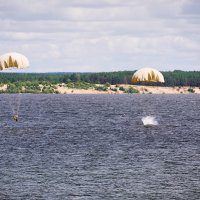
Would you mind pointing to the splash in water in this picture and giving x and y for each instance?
(149, 121)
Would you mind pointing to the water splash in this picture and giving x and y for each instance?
(149, 121)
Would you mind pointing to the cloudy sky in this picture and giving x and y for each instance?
(102, 35)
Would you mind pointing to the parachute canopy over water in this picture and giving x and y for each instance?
(147, 75)
(13, 60)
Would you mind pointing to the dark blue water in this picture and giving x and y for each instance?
(96, 147)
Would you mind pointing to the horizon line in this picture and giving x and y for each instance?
(47, 72)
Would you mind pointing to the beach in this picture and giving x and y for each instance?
(115, 89)
(142, 90)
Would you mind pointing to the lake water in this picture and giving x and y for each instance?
(96, 147)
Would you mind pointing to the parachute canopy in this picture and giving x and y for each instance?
(147, 75)
(13, 60)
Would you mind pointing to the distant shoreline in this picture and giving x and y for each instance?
(109, 89)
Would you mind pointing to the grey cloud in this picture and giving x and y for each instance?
(90, 10)
(192, 7)
(71, 10)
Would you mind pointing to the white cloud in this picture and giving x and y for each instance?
(101, 35)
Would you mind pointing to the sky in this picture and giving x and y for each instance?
(102, 35)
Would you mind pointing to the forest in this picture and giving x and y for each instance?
(172, 78)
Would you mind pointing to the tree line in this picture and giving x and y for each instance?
(172, 78)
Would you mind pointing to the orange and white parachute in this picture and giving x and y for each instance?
(13, 60)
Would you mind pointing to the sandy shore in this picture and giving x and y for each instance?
(113, 89)
(141, 89)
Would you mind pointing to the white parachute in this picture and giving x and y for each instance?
(13, 60)
(147, 75)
